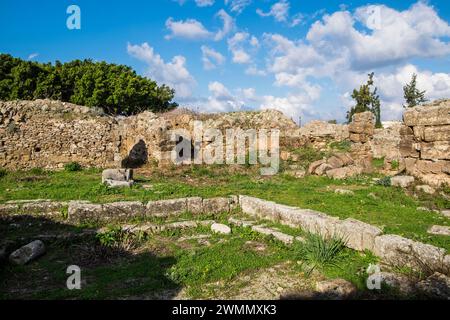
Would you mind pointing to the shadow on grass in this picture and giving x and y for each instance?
(111, 270)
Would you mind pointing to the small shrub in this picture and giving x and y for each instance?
(116, 237)
(344, 146)
(320, 252)
(38, 171)
(308, 155)
(385, 182)
(378, 163)
(3, 172)
(102, 189)
(73, 167)
(395, 165)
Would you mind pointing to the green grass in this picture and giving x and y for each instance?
(162, 266)
(393, 210)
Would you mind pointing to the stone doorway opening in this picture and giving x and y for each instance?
(137, 157)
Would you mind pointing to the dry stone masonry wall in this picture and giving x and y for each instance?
(425, 142)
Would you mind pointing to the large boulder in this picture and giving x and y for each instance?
(27, 253)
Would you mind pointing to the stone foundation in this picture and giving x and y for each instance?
(392, 249)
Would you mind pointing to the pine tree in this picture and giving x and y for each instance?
(366, 100)
(413, 96)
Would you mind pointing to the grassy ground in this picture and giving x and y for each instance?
(171, 264)
(390, 208)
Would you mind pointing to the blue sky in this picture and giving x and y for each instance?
(301, 57)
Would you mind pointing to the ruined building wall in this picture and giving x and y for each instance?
(425, 142)
(49, 134)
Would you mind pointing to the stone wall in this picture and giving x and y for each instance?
(49, 134)
(425, 142)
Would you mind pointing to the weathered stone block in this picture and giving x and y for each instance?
(123, 210)
(27, 253)
(399, 251)
(6, 209)
(117, 175)
(258, 208)
(118, 184)
(220, 228)
(408, 147)
(313, 166)
(358, 235)
(165, 208)
(402, 181)
(345, 158)
(428, 115)
(335, 162)
(216, 205)
(345, 172)
(439, 150)
(195, 205)
(84, 211)
(323, 168)
(432, 133)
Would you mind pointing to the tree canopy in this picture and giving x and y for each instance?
(366, 99)
(117, 89)
(413, 96)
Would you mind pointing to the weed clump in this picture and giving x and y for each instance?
(73, 167)
(320, 252)
(385, 182)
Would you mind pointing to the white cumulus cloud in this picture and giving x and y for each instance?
(211, 58)
(173, 73)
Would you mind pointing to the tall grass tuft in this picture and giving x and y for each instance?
(3, 172)
(320, 252)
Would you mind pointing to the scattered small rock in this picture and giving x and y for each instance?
(220, 228)
(445, 213)
(344, 192)
(439, 230)
(27, 253)
(426, 188)
(337, 289)
(373, 196)
(423, 209)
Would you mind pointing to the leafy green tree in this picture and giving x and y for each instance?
(115, 88)
(413, 96)
(366, 99)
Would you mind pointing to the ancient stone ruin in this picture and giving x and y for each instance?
(49, 134)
